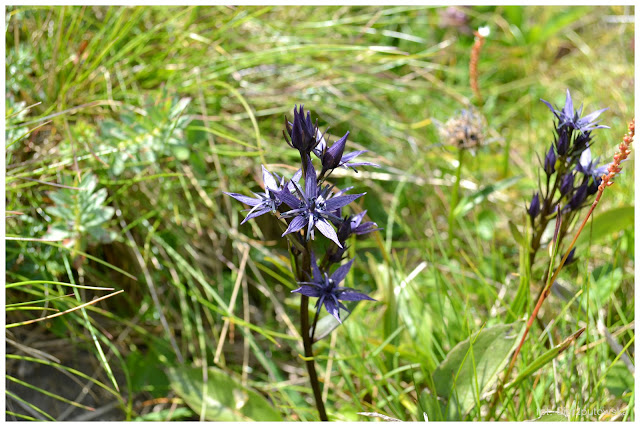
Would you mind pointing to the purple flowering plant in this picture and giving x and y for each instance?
(570, 177)
(306, 204)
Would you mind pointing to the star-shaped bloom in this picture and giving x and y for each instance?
(263, 202)
(334, 157)
(571, 118)
(354, 222)
(351, 225)
(326, 289)
(313, 208)
(590, 167)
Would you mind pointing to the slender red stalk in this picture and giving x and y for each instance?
(473, 64)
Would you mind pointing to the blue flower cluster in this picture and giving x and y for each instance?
(314, 205)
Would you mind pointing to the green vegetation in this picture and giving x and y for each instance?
(133, 293)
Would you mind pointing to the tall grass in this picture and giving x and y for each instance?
(167, 107)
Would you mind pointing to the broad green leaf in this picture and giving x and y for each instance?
(225, 398)
(606, 224)
(472, 367)
(552, 416)
(619, 380)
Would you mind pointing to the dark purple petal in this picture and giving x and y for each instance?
(296, 224)
(333, 155)
(347, 294)
(344, 307)
(534, 207)
(341, 272)
(268, 179)
(310, 224)
(568, 106)
(341, 192)
(365, 228)
(356, 219)
(598, 172)
(296, 178)
(244, 199)
(327, 230)
(255, 214)
(548, 104)
(332, 308)
(352, 155)
(335, 203)
(289, 199)
(353, 165)
(589, 118)
(310, 291)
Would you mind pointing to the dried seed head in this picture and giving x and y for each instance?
(465, 130)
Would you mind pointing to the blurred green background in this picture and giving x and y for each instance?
(124, 125)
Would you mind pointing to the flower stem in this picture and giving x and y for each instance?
(454, 195)
(306, 337)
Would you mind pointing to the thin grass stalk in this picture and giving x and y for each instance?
(455, 194)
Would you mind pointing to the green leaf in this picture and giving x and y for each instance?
(552, 416)
(472, 367)
(619, 380)
(225, 398)
(606, 224)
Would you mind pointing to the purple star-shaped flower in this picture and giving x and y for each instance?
(313, 208)
(263, 202)
(326, 289)
(358, 228)
(569, 117)
(590, 167)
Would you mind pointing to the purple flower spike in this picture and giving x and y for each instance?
(326, 289)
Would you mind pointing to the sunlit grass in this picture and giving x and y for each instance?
(169, 107)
